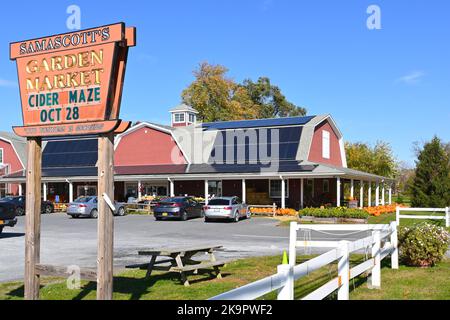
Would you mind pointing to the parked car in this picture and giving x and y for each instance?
(7, 215)
(178, 207)
(88, 207)
(230, 208)
(20, 201)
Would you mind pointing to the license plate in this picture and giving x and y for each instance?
(165, 214)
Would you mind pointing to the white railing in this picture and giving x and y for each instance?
(382, 242)
(445, 217)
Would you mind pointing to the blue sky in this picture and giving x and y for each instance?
(391, 84)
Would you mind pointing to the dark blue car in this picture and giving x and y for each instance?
(181, 208)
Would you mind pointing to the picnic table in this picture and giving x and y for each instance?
(180, 260)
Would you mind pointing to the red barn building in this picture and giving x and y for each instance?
(294, 162)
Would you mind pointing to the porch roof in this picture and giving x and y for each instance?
(203, 171)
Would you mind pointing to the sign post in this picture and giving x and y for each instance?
(71, 85)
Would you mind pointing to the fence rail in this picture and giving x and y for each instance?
(382, 242)
(445, 217)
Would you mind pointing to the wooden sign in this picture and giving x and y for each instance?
(71, 84)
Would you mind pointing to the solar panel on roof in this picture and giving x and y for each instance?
(242, 124)
(238, 147)
(70, 153)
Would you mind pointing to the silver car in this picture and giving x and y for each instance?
(87, 207)
(230, 208)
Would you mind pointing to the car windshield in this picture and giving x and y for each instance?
(172, 200)
(84, 199)
(218, 202)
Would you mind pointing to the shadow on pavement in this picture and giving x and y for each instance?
(11, 235)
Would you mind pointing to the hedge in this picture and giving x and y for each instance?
(341, 212)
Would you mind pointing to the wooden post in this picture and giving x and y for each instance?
(33, 218)
(105, 250)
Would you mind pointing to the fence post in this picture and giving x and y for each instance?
(274, 209)
(394, 242)
(447, 217)
(344, 272)
(375, 277)
(287, 291)
(397, 215)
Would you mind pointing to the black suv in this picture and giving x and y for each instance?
(19, 205)
(7, 215)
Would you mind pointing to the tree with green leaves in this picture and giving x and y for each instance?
(217, 97)
(377, 160)
(431, 186)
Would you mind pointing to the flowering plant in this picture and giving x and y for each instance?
(423, 245)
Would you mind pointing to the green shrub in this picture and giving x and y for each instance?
(341, 212)
(423, 245)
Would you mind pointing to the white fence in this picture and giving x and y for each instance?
(445, 217)
(381, 243)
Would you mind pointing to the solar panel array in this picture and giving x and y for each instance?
(70, 153)
(242, 124)
(256, 145)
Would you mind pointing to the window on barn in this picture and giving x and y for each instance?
(179, 117)
(325, 144)
(1, 155)
(215, 188)
(326, 186)
(275, 188)
(191, 118)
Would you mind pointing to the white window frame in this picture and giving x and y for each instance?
(286, 189)
(221, 187)
(2, 155)
(326, 144)
(179, 114)
(82, 188)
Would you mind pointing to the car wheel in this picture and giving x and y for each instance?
(184, 216)
(207, 219)
(48, 209)
(75, 216)
(1, 229)
(121, 212)
(94, 214)
(158, 219)
(20, 211)
(236, 217)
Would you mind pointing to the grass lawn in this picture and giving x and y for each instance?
(406, 283)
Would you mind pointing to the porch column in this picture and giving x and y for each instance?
(302, 193)
(139, 190)
(377, 194)
(70, 192)
(383, 193)
(206, 192)
(283, 193)
(390, 194)
(244, 191)
(352, 189)
(338, 192)
(20, 190)
(45, 191)
(172, 188)
(369, 195)
(361, 194)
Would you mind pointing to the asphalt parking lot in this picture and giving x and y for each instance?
(66, 241)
